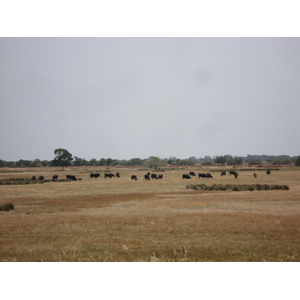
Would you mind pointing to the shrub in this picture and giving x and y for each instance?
(6, 207)
(297, 162)
(235, 188)
(197, 187)
(238, 187)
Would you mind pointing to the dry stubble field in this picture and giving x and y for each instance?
(91, 219)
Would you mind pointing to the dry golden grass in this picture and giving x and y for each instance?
(122, 220)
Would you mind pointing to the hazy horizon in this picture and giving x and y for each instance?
(123, 98)
(163, 158)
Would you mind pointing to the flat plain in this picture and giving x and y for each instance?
(120, 220)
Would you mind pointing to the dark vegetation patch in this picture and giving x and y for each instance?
(6, 207)
(237, 187)
(22, 181)
(244, 169)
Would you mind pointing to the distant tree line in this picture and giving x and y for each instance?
(64, 158)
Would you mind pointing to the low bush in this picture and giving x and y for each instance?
(6, 207)
(22, 181)
(237, 187)
(19, 181)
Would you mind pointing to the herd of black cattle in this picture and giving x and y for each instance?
(147, 176)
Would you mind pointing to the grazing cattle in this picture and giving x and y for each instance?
(186, 176)
(71, 177)
(133, 177)
(33, 178)
(233, 173)
(255, 175)
(41, 178)
(223, 173)
(146, 177)
(118, 175)
(268, 172)
(54, 177)
(94, 175)
(160, 176)
(108, 175)
(202, 175)
(154, 176)
(192, 174)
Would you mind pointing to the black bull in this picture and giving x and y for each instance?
(94, 175)
(203, 175)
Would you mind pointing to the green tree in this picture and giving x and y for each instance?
(79, 161)
(134, 162)
(297, 162)
(220, 160)
(115, 162)
(155, 162)
(36, 163)
(206, 162)
(109, 161)
(62, 158)
(279, 161)
(254, 161)
(93, 162)
(102, 162)
(46, 163)
(237, 160)
(23, 163)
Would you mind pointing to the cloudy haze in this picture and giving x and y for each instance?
(139, 97)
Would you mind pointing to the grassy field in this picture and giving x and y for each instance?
(159, 220)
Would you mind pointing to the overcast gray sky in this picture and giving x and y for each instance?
(139, 97)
